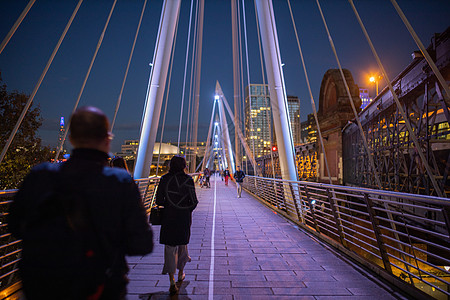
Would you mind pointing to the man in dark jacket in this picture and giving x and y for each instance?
(207, 174)
(79, 219)
(239, 177)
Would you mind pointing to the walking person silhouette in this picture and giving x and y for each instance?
(176, 192)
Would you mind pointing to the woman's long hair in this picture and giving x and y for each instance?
(177, 164)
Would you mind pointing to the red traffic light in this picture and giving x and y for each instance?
(274, 148)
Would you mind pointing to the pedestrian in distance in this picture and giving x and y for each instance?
(239, 177)
(176, 192)
(226, 175)
(78, 219)
(118, 162)
(207, 174)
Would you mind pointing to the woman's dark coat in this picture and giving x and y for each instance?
(176, 192)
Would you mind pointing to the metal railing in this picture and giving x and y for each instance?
(10, 248)
(395, 234)
(405, 235)
(147, 188)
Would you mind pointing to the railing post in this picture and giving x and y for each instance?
(384, 256)
(311, 209)
(295, 192)
(336, 218)
(446, 214)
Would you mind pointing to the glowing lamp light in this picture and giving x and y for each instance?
(447, 268)
(313, 202)
(216, 123)
(216, 136)
(372, 79)
(216, 97)
(274, 148)
(217, 143)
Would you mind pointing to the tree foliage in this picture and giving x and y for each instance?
(26, 149)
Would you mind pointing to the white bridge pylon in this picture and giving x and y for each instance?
(277, 91)
(221, 136)
(156, 87)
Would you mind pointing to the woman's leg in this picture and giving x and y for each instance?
(183, 259)
(170, 265)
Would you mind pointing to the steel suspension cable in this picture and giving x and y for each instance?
(38, 84)
(167, 95)
(241, 74)
(399, 106)
(198, 71)
(361, 130)
(208, 139)
(128, 67)
(408, 125)
(265, 96)
(87, 76)
(16, 25)
(191, 79)
(248, 81)
(283, 87)
(184, 77)
(424, 51)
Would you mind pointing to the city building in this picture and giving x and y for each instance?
(294, 117)
(258, 119)
(365, 99)
(130, 147)
(61, 133)
(309, 130)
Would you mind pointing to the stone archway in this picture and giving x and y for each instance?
(334, 113)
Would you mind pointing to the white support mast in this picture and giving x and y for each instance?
(277, 90)
(157, 84)
(225, 133)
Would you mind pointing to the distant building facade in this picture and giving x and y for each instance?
(294, 117)
(257, 114)
(365, 99)
(309, 130)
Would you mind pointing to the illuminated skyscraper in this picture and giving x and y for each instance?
(61, 133)
(258, 119)
(294, 117)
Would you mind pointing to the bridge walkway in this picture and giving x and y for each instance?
(256, 254)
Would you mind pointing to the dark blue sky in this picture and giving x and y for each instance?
(24, 58)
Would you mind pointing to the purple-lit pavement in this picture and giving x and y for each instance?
(255, 254)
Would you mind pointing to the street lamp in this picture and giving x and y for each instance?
(375, 79)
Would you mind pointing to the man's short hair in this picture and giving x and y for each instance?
(88, 124)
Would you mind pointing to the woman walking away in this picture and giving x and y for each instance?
(176, 192)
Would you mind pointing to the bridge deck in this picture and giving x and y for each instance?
(256, 255)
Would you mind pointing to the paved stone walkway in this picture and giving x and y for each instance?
(257, 255)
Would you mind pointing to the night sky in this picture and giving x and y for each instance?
(26, 55)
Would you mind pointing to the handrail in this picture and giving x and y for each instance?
(405, 238)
